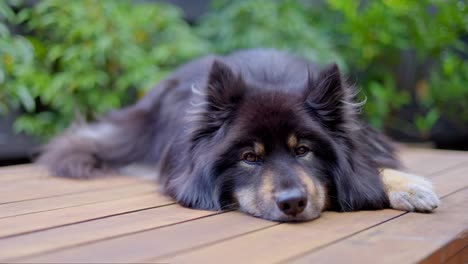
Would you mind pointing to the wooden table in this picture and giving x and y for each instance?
(123, 219)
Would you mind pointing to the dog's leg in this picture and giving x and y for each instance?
(409, 192)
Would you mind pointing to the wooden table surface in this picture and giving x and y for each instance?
(123, 219)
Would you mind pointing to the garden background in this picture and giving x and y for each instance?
(60, 59)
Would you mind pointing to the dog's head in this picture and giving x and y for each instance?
(272, 153)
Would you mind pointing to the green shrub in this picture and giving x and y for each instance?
(16, 57)
(234, 25)
(366, 37)
(94, 55)
(371, 36)
(448, 89)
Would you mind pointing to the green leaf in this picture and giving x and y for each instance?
(26, 98)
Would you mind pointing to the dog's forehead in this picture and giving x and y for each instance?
(274, 107)
(270, 117)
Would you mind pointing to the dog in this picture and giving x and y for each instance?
(261, 131)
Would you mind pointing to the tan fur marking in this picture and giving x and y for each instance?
(259, 149)
(323, 199)
(266, 189)
(395, 181)
(292, 141)
(317, 192)
(251, 199)
(308, 182)
(246, 197)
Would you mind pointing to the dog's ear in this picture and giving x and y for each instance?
(223, 93)
(326, 97)
(224, 88)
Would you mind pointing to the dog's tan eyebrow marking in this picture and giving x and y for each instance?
(292, 141)
(259, 149)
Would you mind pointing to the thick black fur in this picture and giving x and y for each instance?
(193, 123)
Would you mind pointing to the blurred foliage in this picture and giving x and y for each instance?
(371, 36)
(448, 88)
(16, 57)
(264, 23)
(89, 56)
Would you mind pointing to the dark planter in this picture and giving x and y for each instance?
(14, 147)
(447, 134)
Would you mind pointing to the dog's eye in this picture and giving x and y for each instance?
(301, 150)
(249, 157)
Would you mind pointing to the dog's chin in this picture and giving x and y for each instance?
(277, 216)
(298, 218)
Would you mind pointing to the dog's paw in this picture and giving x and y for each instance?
(414, 198)
(409, 192)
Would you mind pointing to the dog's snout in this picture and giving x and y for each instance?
(292, 202)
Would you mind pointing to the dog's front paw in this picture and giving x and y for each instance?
(409, 192)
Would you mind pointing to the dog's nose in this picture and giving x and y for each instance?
(292, 202)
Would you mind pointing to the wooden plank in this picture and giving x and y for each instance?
(408, 239)
(67, 236)
(138, 243)
(279, 242)
(43, 220)
(450, 181)
(53, 186)
(158, 241)
(450, 250)
(16, 168)
(424, 162)
(71, 200)
(179, 243)
(294, 240)
(460, 258)
(21, 172)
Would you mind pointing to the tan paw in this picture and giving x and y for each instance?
(409, 192)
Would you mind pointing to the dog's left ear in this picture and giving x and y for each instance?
(326, 97)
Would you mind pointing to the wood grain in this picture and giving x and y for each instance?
(159, 241)
(39, 221)
(74, 199)
(100, 229)
(410, 238)
(120, 219)
(330, 227)
(34, 188)
(286, 241)
(460, 258)
(282, 241)
(431, 162)
(21, 172)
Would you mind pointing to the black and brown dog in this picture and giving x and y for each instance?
(260, 131)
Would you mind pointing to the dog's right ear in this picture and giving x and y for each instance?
(224, 91)
(326, 97)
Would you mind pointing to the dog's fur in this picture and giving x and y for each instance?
(298, 127)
